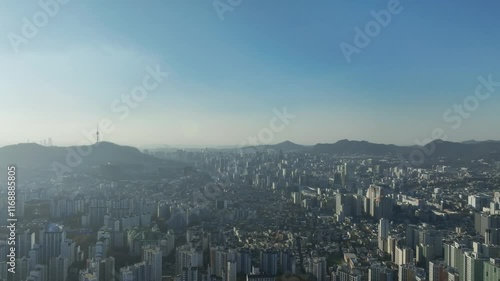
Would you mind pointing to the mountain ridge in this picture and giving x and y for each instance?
(432, 151)
(32, 155)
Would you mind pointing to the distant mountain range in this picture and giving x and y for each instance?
(285, 146)
(30, 155)
(35, 156)
(465, 151)
(359, 148)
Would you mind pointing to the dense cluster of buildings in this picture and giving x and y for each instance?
(264, 216)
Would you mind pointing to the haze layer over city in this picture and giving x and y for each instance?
(236, 140)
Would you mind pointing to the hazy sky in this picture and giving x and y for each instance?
(226, 76)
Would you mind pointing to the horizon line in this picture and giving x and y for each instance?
(230, 146)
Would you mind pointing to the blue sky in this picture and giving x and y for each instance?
(227, 76)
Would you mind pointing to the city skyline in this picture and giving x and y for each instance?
(238, 140)
(45, 142)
